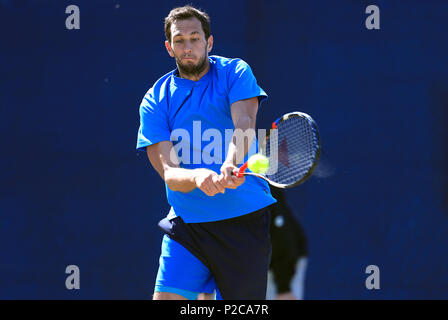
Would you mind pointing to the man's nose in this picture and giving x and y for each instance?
(187, 47)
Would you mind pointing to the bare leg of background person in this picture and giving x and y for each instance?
(297, 284)
(286, 296)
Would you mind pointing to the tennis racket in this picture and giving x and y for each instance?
(293, 149)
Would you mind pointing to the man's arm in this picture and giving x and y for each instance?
(180, 179)
(244, 114)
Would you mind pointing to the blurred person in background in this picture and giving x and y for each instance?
(287, 270)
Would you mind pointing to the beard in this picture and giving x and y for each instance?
(191, 69)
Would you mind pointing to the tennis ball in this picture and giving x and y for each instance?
(258, 163)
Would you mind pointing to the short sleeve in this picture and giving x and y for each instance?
(153, 123)
(242, 83)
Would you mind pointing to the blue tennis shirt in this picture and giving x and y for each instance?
(196, 117)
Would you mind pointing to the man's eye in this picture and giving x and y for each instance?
(178, 41)
(195, 39)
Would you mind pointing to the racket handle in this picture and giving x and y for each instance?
(240, 171)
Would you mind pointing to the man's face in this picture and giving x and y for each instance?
(189, 46)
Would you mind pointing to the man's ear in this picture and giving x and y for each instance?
(209, 43)
(169, 49)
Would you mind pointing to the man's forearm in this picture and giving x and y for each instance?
(185, 180)
(180, 179)
(242, 138)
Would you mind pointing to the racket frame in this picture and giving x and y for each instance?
(242, 170)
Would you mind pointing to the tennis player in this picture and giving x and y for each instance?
(217, 231)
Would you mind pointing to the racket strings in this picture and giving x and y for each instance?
(291, 151)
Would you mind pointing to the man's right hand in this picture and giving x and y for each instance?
(208, 181)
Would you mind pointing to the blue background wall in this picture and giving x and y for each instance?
(73, 189)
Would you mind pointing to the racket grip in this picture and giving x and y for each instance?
(240, 171)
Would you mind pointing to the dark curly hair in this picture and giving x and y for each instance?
(184, 13)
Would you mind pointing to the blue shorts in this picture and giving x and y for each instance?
(181, 272)
(230, 257)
